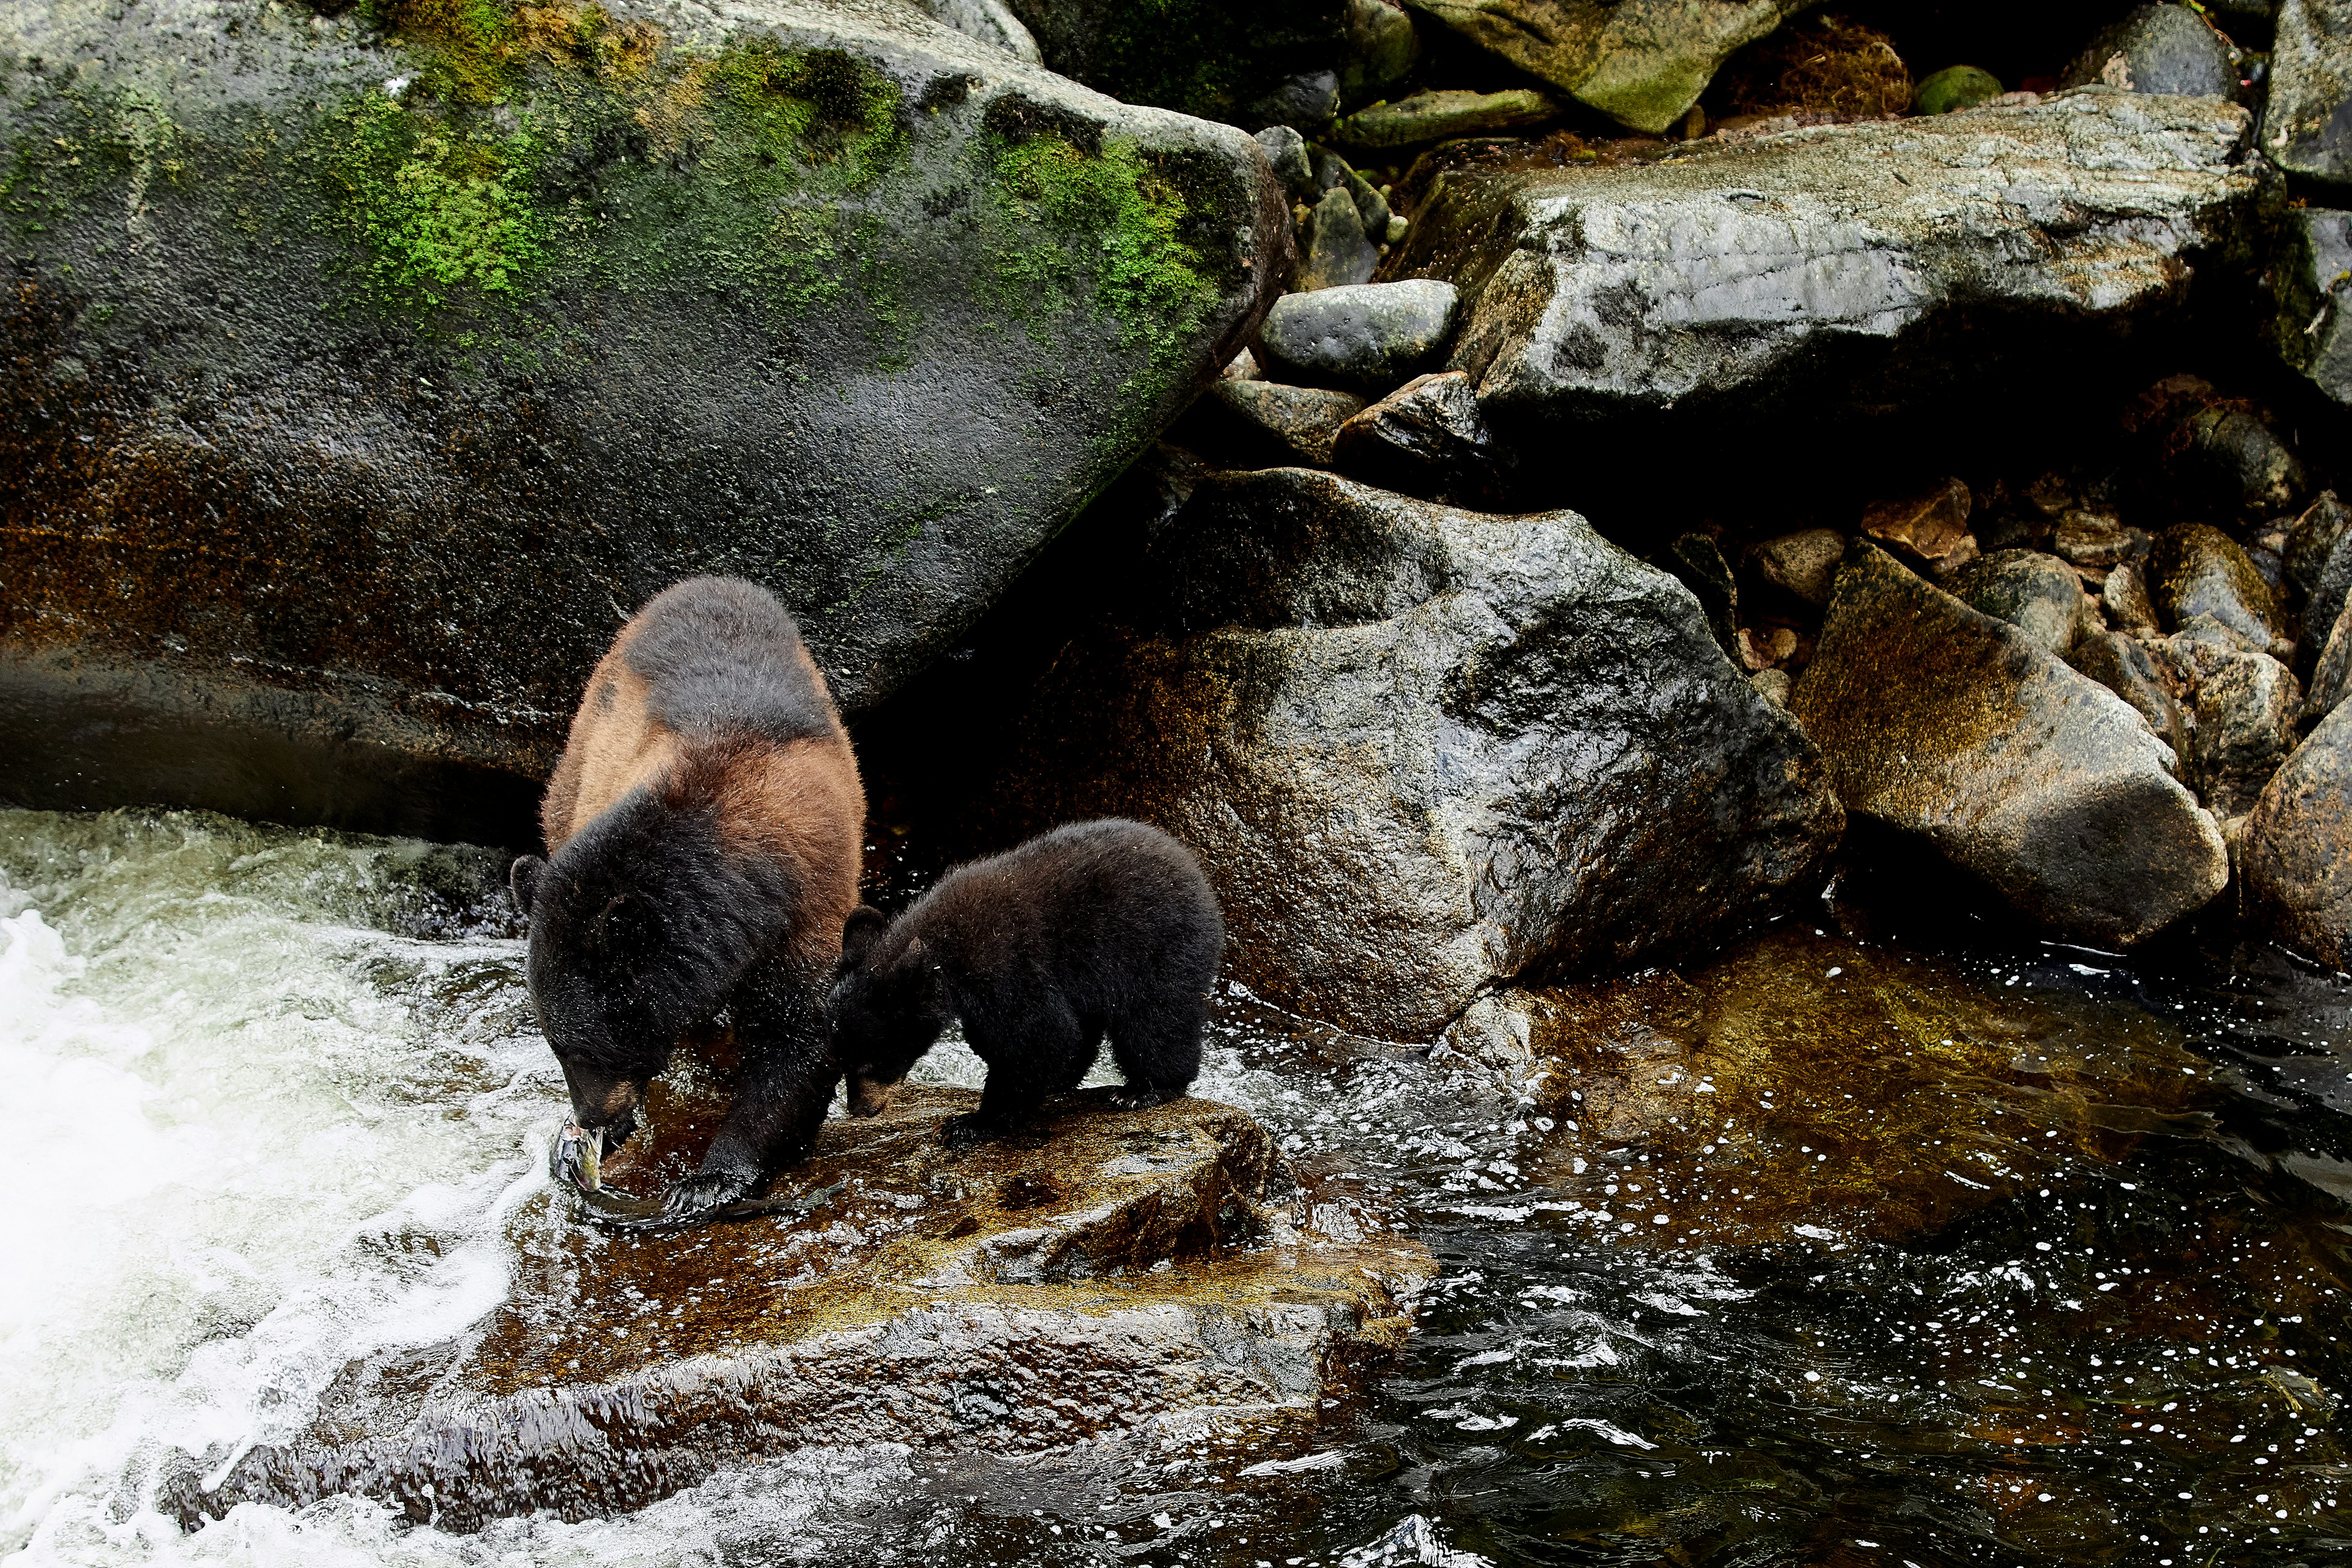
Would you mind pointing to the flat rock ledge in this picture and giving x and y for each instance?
(1108, 1271)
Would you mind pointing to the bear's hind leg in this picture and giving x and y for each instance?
(1158, 1052)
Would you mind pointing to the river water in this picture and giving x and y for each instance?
(276, 1102)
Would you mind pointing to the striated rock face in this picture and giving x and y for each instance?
(1834, 263)
(1103, 1271)
(354, 392)
(1419, 750)
(2298, 845)
(1948, 725)
(1642, 62)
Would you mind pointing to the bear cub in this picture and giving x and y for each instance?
(1097, 928)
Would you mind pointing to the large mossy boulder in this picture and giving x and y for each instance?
(362, 371)
(1642, 62)
(1421, 750)
(1835, 267)
(1959, 732)
(1102, 1272)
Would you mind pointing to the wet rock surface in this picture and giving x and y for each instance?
(2297, 853)
(2039, 595)
(1640, 62)
(1427, 117)
(2319, 561)
(1427, 439)
(1419, 749)
(1105, 1270)
(336, 463)
(1960, 730)
(2122, 665)
(1802, 564)
(1371, 337)
(2307, 278)
(1822, 263)
(1265, 422)
(2199, 571)
(2159, 48)
(2245, 705)
(2307, 126)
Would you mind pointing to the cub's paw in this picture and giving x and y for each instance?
(1142, 1096)
(961, 1132)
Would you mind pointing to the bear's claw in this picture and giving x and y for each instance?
(968, 1132)
(1142, 1096)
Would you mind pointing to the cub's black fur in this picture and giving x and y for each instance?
(1098, 927)
(703, 831)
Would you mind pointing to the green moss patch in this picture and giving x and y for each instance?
(435, 207)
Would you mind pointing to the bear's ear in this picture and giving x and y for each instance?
(523, 881)
(860, 932)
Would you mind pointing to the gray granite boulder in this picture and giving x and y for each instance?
(1835, 265)
(2122, 665)
(1642, 62)
(2159, 49)
(1420, 751)
(2331, 677)
(1960, 730)
(2197, 570)
(2311, 282)
(2297, 853)
(2319, 561)
(1334, 251)
(354, 400)
(2245, 705)
(2307, 125)
(1804, 564)
(1369, 336)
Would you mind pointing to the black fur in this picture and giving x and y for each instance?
(1099, 927)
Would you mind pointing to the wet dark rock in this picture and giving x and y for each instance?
(2297, 854)
(1802, 564)
(1333, 249)
(2096, 538)
(1948, 725)
(1642, 62)
(2159, 49)
(1955, 87)
(2311, 281)
(1242, 64)
(1837, 266)
(1427, 439)
(2039, 595)
(2245, 703)
(1286, 154)
(1304, 102)
(1264, 423)
(2126, 599)
(1419, 749)
(2319, 560)
(2225, 456)
(1383, 48)
(1698, 563)
(2197, 570)
(2331, 677)
(324, 507)
(1106, 1270)
(1372, 336)
(2307, 125)
(1929, 529)
(2121, 663)
(1440, 116)
(1332, 172)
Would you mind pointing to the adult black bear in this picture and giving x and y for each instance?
(703, 833)
(1099, 926)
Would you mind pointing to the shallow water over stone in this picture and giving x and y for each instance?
(277, 1106)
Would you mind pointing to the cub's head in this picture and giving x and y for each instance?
(639, 929)
(884, 1008)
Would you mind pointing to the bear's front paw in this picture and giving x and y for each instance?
(961, 1132)
(705, 1192)
(1141, 1096)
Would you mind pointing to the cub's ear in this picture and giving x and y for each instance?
(523, 882)
(860, 932)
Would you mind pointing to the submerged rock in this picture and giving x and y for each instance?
(2197, 570)
(1427, 439)
(1428, 117)
(1105, 1270)
(1960, 730)
(2307, 125)
(2297, 852)
(2311, 282)
(2039, 595)
(1419, 749)
(1821, 267)
(1370, 336)
(2159, 49)
(338, 467)
(1642, 62)
(1807, 1088)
